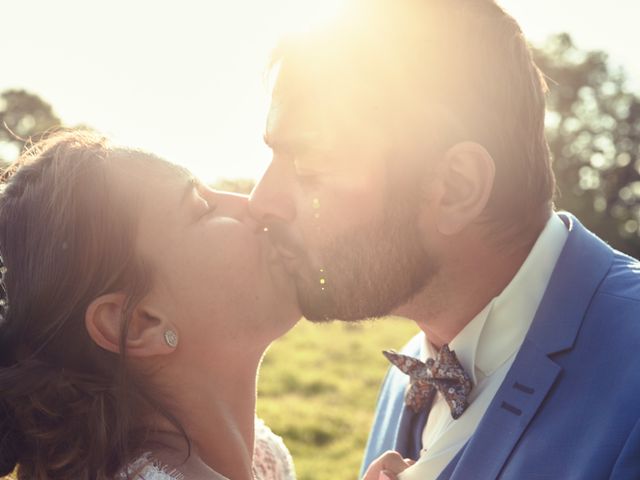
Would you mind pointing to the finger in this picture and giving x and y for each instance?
(392, 462)
(386, 475)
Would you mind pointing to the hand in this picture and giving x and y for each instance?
(387, 467)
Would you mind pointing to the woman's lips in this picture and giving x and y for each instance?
(280, 256)
(284, 253)
(287, 259)
(278, 253)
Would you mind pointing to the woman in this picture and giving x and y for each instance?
(135, 307)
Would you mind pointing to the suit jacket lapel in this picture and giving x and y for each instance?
(513, 407)
(581, 267)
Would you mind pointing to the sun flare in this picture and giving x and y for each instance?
(304, 15)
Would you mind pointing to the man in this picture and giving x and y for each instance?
(411, 175)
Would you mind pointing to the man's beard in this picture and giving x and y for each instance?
(370, 270)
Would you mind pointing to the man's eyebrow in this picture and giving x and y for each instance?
(279, 145)
(275, 144)
(267, 141)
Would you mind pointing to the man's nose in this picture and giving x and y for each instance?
(272, 199)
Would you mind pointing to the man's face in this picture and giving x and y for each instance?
(346, 229)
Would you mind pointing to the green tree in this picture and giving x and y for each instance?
(23, 116)
(593, 128)
(238, 185)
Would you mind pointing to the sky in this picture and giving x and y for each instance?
(186, 79)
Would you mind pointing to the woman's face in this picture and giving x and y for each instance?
(215, 275)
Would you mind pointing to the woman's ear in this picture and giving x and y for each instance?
(467, 176)
(149, 333)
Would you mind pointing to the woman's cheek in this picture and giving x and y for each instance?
(231, 260)
(232, 238)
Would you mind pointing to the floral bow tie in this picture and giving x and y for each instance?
(444, 374)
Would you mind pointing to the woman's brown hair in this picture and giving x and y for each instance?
(68, 409)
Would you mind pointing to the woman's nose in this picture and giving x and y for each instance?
(233, 205)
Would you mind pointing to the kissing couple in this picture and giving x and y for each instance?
(410, 175)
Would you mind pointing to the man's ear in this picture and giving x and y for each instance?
(146, 332)
(466, 181)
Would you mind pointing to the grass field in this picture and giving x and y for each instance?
(318, 388)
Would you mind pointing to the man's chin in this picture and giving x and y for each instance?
(324, 308)
(319, 306)
(315, 309)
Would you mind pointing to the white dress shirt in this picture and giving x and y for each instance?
(486, 348)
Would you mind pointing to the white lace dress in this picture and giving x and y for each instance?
(271, 458)
(271, 461)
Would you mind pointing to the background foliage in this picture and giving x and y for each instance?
(23, 116)
(318, 386)
(593, 128)
(319, 383)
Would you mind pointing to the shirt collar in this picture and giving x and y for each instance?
(497, 332)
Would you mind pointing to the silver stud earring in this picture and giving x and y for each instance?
(171, 338)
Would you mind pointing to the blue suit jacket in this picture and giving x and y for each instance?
(570, 404)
